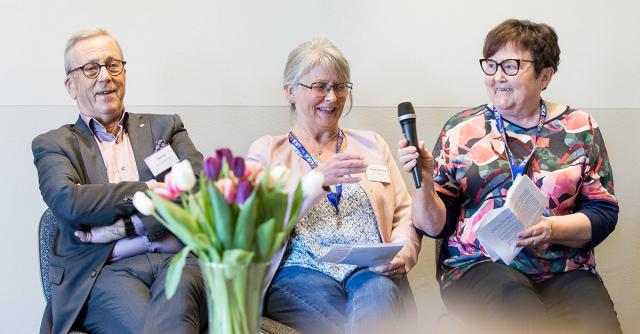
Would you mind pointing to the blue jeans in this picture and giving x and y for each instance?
(313, 302)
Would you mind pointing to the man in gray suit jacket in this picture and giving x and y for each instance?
(108, 265)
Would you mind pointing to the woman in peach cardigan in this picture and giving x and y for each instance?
(358, 207)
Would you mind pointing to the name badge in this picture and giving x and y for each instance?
(378, 173)
(161, 160)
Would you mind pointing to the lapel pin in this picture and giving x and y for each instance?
(141, 125)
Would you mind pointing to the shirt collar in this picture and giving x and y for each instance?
(100, 132)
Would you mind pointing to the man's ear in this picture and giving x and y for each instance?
(288, 90)
(70, 86)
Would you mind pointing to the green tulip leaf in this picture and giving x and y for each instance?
(278, 240)
(174, 273)
(237, 257)
(294, 210)
(222, 217)
(176, 219)
(245, 226)
(264, 236)
(206, 220)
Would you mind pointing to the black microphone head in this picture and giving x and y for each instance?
(405, 111)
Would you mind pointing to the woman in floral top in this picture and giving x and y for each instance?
(552, 283)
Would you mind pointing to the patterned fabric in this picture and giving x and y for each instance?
(47, 232)
(570, 166)
(321, 227)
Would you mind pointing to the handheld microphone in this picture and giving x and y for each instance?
(407, 118)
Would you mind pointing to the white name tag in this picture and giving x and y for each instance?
(378, 173)
(161, 160)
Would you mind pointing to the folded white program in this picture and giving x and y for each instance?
(498, 230)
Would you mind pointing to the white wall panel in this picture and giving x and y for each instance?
(212, 52)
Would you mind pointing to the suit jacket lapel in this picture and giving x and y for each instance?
(141, 138)
(92, 160)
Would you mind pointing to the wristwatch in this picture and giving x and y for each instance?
(129, 229)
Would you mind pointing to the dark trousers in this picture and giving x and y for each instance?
(129, 297)
(495, 298)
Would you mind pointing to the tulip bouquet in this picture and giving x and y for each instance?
(235, 221)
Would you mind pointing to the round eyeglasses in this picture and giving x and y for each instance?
(322, 89)
(510, 67)
(92, 70)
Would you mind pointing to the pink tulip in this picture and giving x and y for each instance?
(252, 171)
(169, 190)
(227, 188)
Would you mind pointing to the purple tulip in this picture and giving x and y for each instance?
(224, 153)
(238, 167)
(212, 167)
(243, 191)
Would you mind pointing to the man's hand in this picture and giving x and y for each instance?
(395, 269)
(103, 234)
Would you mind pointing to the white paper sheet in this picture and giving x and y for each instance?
(498, 230)
(499, 235)
(363, 255)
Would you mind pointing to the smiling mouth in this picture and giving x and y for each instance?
(105, 92)
(326, 110)
(500, 89)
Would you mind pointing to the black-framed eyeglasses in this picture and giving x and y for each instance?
(92, 70)
(510, 67)
(322, 89)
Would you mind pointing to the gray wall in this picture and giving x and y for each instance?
(218, 64)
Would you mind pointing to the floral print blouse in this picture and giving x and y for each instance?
(322, 227)
(472, 174)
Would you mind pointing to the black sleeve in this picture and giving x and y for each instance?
(603, 216)
(452, 207)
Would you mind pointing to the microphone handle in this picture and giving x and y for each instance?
(409, 131)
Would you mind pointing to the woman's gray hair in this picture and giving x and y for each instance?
(82, 35)
(318, 52)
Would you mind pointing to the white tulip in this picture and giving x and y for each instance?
(278, 176)
(312, 184)
(143, 203)
(182, 175)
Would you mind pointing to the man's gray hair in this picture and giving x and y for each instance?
(82, 35)
(318, 52)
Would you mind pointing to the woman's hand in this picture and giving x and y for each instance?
(408, 157)
(340, 167)
(537, 235)
(395, 269)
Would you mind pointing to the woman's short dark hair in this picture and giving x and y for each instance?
(538, 38)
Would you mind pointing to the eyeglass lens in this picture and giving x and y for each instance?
(322, 89)
(509, 66)
(92, 70)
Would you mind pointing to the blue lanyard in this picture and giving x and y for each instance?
(520, 169)
(334, 196)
